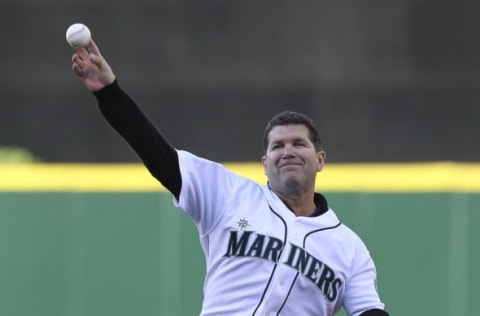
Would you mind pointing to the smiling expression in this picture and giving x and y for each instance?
(291, 161)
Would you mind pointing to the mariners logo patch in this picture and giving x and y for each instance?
(243, 223)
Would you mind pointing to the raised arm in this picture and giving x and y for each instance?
(124, 115)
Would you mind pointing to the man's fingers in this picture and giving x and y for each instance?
(92, 47)
(82, 52)
(83, 56)
(77, 69)
(95, 56)
(76, 58)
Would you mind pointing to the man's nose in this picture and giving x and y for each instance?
(288, 151)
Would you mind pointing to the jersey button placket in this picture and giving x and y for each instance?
(295, 237)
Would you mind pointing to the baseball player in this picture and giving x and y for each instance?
(274, 249)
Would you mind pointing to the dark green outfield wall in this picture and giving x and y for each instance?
(75, 254)
(97, 254)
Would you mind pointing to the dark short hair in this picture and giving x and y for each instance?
(292, 118)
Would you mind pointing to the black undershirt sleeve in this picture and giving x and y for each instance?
(158, 155)
(374, 312)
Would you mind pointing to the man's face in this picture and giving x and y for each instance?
(291, 162)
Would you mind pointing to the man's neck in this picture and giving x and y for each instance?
(302, 208)
(301, 204)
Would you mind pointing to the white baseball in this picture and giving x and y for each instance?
(78, 35)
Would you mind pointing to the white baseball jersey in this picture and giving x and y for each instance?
(262, 259)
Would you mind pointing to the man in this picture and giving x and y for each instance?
(274, 249)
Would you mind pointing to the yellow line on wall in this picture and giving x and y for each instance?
(383, 177)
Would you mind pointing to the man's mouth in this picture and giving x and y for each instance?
(289, 164)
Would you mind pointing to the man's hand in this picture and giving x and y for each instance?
(91, 67)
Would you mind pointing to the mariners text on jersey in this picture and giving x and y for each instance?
(260, 246)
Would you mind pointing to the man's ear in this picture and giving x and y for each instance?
(321, 157)
(264, 164)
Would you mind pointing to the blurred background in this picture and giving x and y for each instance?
(386, 81)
